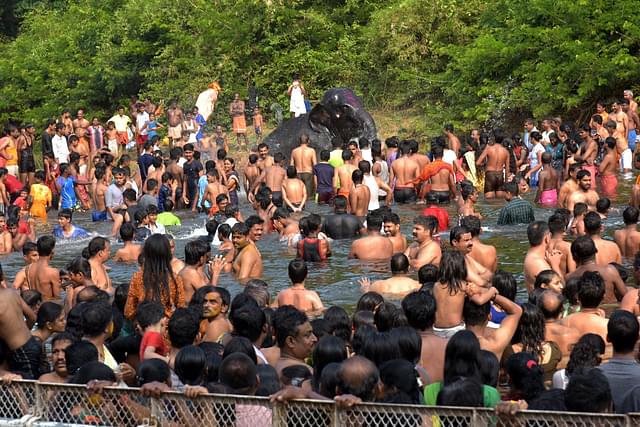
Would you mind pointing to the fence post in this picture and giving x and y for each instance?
(278, 415)
(156, 412)
(336, 415)
(40, 400)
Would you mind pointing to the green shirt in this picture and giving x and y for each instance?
(335, 158)
(167, 219)
(517, 211)
(491, 395)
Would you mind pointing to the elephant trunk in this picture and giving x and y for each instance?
(368, 125)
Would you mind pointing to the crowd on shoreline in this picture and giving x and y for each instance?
(459, 338)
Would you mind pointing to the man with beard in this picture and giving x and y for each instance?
(461, 239)
(247, 263)
(584, 193)
(59, 343)
(392, 230)
(215, 304)
(425, 250)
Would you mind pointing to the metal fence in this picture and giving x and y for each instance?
(39, 404)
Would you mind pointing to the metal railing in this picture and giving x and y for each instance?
(41, 404)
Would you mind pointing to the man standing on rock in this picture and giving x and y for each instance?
(174, 116)
(236, 111)
(304, 159)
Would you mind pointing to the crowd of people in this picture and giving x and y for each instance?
(458, 336)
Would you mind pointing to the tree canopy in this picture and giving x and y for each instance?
(466, 62)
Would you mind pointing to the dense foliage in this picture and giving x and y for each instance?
(468, 61)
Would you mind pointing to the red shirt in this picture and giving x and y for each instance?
(153, 339)
(441, 214)
(13, 184)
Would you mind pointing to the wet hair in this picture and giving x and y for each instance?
(591, 289)
(453, 271)
(93, 370)
(462, 357)
(297, 271)
(400, 382)
(580, 209)
(473, 224)
(248, 321)
(583, 249)
(527, 376)
(557, 223)
(623, 331)
(96, 245)
(361, 318)
(544, 278)
(602, 205)
(456, 233)
(586, 353)
(428, 222)
(505, 283)
(189, 365)
(408, 342)
(512, 187)
(463, 391)
(399, 263)
(45, 245)
(151, 370)
(239, 344)
(62, 336)
(420, 309)
(582, 173)
(466, 190)
(95, 318)
(369, 301)
(156, 269)
(489, 368)
(78, 354)
(149, 313)
(588, 391)
(428, 274)
(287, 319)
(295, 375)
(380, 347)
(338, 322)
(48, 313)
(127, 231)
(536, 232)
(475, 314)
(530, 331)
(384, 317)
(328, 349)
(28, 248)
(592, 223)
(570, 290)
(549, 400)
(630, 215)
(194, 251)
(183, 327)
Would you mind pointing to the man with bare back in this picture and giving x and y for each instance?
(373, 246)
(620, 133)
(454, 142)
(25, 349)
(405, 172)
(303, 158)
(438, 177)
(608, 168)
(359, 195)
(496, 168)
(342, 182)
(588, 150)
(628, 239)
(548, 183)
(294, 192)
(40, 275)
(175, 116)
(250, 173)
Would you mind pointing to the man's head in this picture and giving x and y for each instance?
(297, 271)
(256, 227)
(424, 228)
(583, 249)
(630, 215)
(59, 344)
(294, 332)
(239, 374)
(64, 217)
(511, 190)
(420, 310)
(391, 224)
(119, 176)
(249, 321)
(610, 142)
(550, 304)
(460, 238)
(97, 320)
(360, 377)
(183, 327)
(196, 253)
(473, 224)
(240, 234)
(538, 234)
(374, 222)
(45, 245)
(584, 180)
(592, 223)
(213, 302)
(588, 391)
(399, 264)
(30, 252)
(623, 331)
(340, 204)
(591, 289)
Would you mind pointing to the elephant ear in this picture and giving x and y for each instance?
(320, 119)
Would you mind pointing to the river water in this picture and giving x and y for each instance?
(336, 279)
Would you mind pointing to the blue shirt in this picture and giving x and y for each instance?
(151, 129)
(144, 161)
(163, 194)
(324, 174)
(68, 198)
(202, 186)
(76, 233)
(201, 121)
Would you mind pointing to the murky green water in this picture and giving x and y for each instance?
(335, 280)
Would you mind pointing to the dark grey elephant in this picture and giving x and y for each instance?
(339, 116)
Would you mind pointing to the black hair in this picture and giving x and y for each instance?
(475, 314)
(149, 313)
(96, 318)
(588, 391)
(328, 349)
(400, 382)
(78, 354)
(194, 251)
(287, 319)
(592, 223)
(530, 331)
(428, 274)
(583, 249)
(591, 289)
(380, 347)
(239, 344)
(527, 376)
(630, 215)
(248, 321)
(383, 316)
(505, 283)
(420, 309)
(127, 231)
(183, 327)
(489, 368)
(456, 233)
(238, 372)
(462, 357)
(369, 301)
(151, 370)
(374, 222)
(48, 313)
(297, 270)
(93, 370)
(473, 224)
(536, 232)
(586, 353)
(338, 322)
(603, 204)
(544, 278)
(453, 270)
(623, 331)
(549, 400)
(557, 223)
(28, 248)
(408, 342)
(189, 365)
(463, 391)
(45, 245)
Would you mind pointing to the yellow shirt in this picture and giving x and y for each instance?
(121, 122)
(40, 194)
(12, 150)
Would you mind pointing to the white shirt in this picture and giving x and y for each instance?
(141, 120)
(157, 229)
(449, 156)
(370, 181)
(60, 148)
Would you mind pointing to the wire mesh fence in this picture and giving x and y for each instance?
(40, 404)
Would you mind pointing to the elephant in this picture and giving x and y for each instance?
(339, 117)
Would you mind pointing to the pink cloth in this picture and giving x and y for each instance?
(549, 197)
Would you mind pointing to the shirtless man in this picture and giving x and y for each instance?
(470, 198)
(42, 277)
(176, 172)
(496, 168)
(214, 312)
(303, 158)
(461, 240)
(486, 255)
(212, 190)
(100, 252)
(99, 194)
(6, 240)
(588, 150)
(30, 255)
(342, 182)
(264, 159)
(558, 228)
(294, 191)
(374, 246)
(569, 186)
(583, 250)
(608, 168)
(393, 232)
(359, 196)
(305, 300)
(454, 142)
(247, 263)
(399, 284)
(175, 117)
(620, 133)
(404, 172)
(196, 256)
(424, 250)
(548, 183)
(539, 257)
(591, 318)
(80, 122)
(441, 186)
(250, 173)
(25, 349)
(628, 96)
(550, 303)
(421, 159)
(628, 239)
(295, 338)
(607, 251)
(584, 193)
(476, 318)
(130, 252)
(60, 375)
(420, 309)
(634, 122)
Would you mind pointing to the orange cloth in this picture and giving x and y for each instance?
(608, 184)
(239, 124)
(433, 169)
(137, 294)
